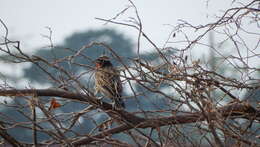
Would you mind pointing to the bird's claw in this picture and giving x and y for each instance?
(115, 106)
(100, 100)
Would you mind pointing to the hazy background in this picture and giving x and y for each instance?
(73, 25)
(27, 19)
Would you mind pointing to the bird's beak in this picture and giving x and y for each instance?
(98, 65)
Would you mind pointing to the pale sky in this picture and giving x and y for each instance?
(27, 19)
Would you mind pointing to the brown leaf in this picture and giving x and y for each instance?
(54, 104)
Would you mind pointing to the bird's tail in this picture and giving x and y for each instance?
(119, 103)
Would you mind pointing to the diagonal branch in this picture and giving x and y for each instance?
(11, 140)
(84, 98)
(236, 110)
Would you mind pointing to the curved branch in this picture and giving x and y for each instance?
(85, 98)
(238, 110)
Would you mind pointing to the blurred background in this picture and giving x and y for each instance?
(72, 24)
(27, 19)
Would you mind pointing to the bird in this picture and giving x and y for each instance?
(107, 81)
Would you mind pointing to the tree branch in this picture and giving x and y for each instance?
(236, 110)
(8, 138)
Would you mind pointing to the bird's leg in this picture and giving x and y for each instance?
(114, 105)
(99, 98)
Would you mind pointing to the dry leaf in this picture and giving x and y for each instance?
(54, 104)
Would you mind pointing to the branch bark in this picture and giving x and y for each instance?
(11, 140)
(236, 110)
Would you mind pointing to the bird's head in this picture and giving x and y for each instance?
(102, 61)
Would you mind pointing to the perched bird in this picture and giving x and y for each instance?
(107, 81)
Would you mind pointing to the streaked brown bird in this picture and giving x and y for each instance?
(107, 81)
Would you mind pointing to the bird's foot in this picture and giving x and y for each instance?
(115, 106)
(100, 100)
(100, 97)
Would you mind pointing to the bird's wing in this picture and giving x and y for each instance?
(117, 83)
(113, 84)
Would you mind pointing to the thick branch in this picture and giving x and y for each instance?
(85, 98)
(238, 110)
